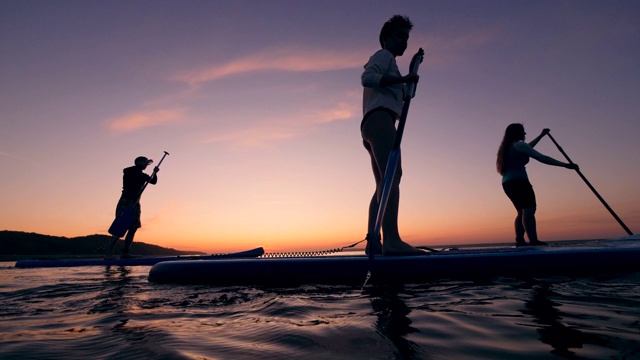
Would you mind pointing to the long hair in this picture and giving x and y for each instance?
(512, 134)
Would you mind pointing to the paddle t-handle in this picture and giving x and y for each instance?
(413, 69)
(159, 162)
(163, 156)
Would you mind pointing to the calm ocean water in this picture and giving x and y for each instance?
(115, 313)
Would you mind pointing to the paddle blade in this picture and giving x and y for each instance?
(121, 224)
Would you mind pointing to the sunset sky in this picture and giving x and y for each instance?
(259, 104)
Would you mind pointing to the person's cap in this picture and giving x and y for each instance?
(142, 160)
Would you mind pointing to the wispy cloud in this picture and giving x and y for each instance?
(282, 59)
(343, 110)
(296, 124)
(440, 50)
(145, 119)
(449, 51)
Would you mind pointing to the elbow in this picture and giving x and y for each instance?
(367, 83)
(545, 160)
(370, 80)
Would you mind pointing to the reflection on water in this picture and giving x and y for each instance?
(597, 314)
(115, 313)
(393, 320)
(552, 331)
(113, 295)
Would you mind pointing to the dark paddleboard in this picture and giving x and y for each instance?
(589, 257)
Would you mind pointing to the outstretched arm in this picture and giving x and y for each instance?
(527, 149)
(535, 141)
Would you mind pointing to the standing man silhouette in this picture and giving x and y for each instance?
(133, 182)
(383, 99)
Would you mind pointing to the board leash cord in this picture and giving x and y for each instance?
(321, 252)
(300, 253)
(309, 253)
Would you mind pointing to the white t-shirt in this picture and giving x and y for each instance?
(391, 97)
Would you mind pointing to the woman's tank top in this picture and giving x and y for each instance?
(515, 167)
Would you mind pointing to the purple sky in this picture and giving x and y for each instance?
(259, 105)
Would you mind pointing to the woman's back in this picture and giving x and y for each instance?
(515, 165)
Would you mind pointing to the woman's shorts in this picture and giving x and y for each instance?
(520, 192)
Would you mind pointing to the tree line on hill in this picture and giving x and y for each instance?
(18, 243)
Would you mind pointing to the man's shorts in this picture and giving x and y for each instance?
(520, 192)
(368, 114)
(125, 203)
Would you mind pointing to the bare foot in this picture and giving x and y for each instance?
(377, 247)
(375, 244)
(401, 248)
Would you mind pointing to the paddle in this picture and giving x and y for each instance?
(591, 187)
(121, 223)
(394, 157)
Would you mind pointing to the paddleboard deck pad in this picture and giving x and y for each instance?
(136, 261)
(589, 257)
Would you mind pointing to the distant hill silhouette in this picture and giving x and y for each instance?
(20, 244)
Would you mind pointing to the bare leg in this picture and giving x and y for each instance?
(529, 221)
(519, 226)
(379, 133)
(128, 240)
(111, 246)
(373, 211)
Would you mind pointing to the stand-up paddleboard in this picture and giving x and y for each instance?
(137, 261)
(589, 257)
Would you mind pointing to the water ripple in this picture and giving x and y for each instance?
(115, 313)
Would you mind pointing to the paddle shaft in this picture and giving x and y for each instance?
(591, 187)
(394, 158)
